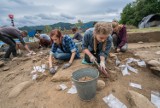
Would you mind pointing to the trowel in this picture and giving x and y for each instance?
(105, 72)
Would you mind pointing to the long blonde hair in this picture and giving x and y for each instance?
(102, 28)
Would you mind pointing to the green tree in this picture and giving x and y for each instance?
(79, 24)
(47, 29)
(134, 12)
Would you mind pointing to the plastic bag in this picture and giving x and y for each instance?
(72, 90)
(135, 85)
(113, 102)
(155, 98)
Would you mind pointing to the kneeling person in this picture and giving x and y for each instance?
(63, 48)
(119, 37)
(97, 43)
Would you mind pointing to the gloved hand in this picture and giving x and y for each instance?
(102, 65)
(66, 65)
(52, 70)
(92, 59)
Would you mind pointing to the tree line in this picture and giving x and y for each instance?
(134, 12)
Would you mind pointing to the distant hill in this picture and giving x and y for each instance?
(61, 25)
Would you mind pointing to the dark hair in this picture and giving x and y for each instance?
(74, 29)
(56, 33)
(94, 23)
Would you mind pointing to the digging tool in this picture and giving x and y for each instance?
(105, 72)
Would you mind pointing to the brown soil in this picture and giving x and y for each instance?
(43, 94)
(86, 78)
(144, 37)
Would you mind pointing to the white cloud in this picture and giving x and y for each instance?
(43, 12)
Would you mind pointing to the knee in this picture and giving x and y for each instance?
(56, 55)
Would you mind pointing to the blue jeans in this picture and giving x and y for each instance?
(59, 54)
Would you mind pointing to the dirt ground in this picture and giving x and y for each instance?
(42, 93)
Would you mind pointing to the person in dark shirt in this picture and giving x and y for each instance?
(119, 36)
(7, 34)
(77, 36)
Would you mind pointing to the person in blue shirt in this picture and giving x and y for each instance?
(97, 42)
(63, 48)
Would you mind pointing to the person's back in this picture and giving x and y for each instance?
(7, 34)
(45, 36)
(10, 31)
(77, 36)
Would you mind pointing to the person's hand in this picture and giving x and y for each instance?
(52, 70)
(118, 50)
(92, 59)
(102, 65)
(66, 65)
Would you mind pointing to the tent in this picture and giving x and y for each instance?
(152, 20)
(33, 32)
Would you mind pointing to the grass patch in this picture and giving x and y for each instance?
(151, 29)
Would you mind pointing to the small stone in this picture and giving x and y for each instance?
(109, 61)
(113, 76)
(5, 68)
(1, 63)
(110, 68)
(34, 60)
(158, 52)
(41, 77)
(155, 70)
(113, 90)
(153, 63)
(26, 59)
(15, 59)
(100, 84)
(58, 88)
(140, 42)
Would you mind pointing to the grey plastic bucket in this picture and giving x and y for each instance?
(86, 89)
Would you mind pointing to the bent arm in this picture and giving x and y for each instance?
(72, 57)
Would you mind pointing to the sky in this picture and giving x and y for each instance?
(47, 12)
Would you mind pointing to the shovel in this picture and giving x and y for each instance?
(105, 72)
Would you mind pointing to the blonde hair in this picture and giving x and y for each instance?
(115, 24)
(102, 28)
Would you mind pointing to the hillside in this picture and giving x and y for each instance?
(61, 25)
